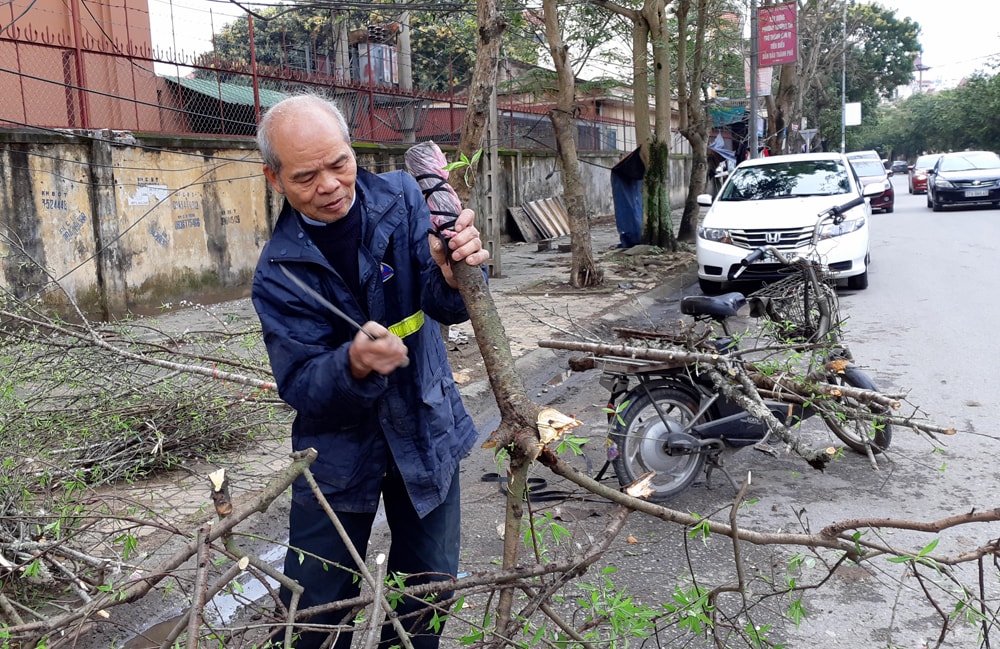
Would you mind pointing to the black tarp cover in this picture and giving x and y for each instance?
(626, 192)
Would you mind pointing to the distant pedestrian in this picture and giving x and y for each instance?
(379, 405)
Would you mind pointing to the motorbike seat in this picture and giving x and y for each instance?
(718, 307)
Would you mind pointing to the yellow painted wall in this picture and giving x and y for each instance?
(61, 197)
(184, 223)
(194, 220)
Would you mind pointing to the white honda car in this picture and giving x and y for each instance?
(776, 201)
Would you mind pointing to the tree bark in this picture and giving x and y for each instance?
(693, 125)
(652, 128)
(508, 388)
(583, 270)
(659, 230)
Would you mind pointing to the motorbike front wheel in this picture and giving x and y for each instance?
(641, 440)
(857, 433)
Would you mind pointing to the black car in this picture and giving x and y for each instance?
(899, 167)
(964, 178)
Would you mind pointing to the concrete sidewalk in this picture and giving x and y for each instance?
(533, 295)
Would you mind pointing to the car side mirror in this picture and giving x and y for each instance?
(705, 200)
(872, 189)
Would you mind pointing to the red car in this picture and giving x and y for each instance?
(917, 183)
(870, 172)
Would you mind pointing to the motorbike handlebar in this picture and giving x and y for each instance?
(837, 212)
(753, 256)
(734, 273)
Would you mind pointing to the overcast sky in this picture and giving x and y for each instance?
(186, 26)
(958, 36)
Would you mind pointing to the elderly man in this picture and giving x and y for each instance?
(379, 404)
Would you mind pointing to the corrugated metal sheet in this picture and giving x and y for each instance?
(529, 233)
(230, 93)
(549, 216)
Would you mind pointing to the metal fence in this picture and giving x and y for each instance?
(53, 81)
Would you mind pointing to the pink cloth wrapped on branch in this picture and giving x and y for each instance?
(426, 163)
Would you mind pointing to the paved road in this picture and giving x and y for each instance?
(920, 328)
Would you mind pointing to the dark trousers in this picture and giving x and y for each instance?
(419, 545)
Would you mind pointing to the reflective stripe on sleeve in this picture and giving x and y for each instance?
(408, 325)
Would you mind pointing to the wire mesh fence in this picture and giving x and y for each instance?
(113, 78)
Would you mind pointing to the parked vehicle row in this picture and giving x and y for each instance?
(772, 201)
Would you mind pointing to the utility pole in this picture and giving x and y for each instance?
(405, 62)
(843, 86)
(754, 53)
(920, 68)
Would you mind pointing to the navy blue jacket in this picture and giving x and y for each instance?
(415, 415)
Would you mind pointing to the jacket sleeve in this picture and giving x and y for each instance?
(309, 351)
(438, 300)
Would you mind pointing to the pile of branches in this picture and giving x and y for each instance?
(105, 404)
(85, 406)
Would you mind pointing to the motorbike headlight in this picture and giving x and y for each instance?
(715, 234)
(844, 227)
(944, 184)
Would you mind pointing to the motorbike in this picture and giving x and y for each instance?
(674, 422)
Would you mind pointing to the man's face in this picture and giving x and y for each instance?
(318, 168)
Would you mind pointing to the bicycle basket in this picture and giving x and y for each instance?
(790, 305)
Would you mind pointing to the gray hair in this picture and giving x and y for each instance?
(306, 99)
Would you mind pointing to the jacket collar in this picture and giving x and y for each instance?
(378, 196)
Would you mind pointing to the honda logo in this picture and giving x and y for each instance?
(772, 237)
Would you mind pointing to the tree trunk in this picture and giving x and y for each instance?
(694, 126)
(515, 409)
(688, 228)
(583, 271)
(659, 229)
(518, 430)
(652, 131)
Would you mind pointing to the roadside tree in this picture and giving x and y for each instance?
(701, 65)
(583, 270)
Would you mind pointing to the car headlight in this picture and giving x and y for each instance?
(920, 176)
(844, 227)
(715, 234)
(941, 182)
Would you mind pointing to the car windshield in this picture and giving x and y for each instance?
(787, 180)
(866, 167)
(925, 161)
(970, 161)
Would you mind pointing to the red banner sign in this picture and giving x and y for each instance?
(777, 38)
